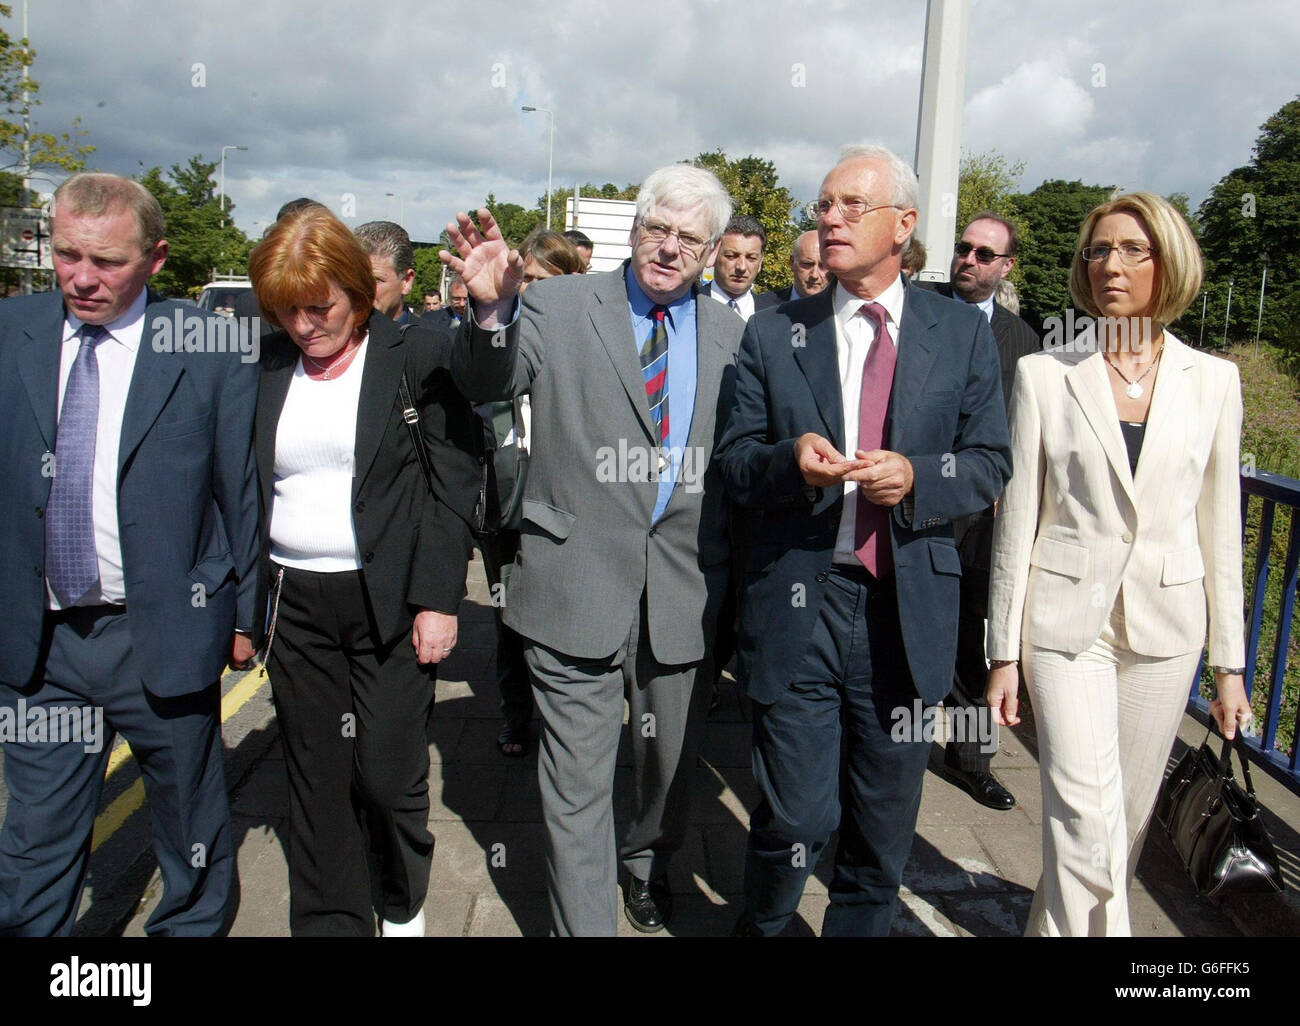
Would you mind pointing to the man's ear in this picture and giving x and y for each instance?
(158, 257)
(408, 279)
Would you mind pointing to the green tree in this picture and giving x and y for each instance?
(202, 239)
(428, 273)
(1052, 214)
(755, 190)
(1252, 216)
(515, 222)
(58, 151)
(988, 181)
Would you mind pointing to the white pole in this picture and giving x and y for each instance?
(1226, 313)
(938, 130)
(1259, 317)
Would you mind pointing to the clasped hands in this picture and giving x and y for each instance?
(882, 476)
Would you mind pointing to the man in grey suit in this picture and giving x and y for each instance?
(624, 553)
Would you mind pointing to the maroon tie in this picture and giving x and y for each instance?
(871, 533)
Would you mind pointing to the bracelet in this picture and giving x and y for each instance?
(1238, 670)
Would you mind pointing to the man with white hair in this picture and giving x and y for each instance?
(624, 551)
(865, 420)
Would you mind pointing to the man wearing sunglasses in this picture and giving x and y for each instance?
(983, 257)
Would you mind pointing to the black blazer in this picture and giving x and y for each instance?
(414, 547)
(1015, 338)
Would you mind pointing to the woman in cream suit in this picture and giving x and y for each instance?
(1118, 536)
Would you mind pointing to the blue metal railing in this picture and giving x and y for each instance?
(1270, 490)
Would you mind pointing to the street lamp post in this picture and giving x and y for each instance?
(222, 193)
(550, 155)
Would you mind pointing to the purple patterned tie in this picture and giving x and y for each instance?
(71, 563)
(871, 529)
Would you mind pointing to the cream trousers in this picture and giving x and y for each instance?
(1106, 721)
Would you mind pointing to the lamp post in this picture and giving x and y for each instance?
(550, 155)
(222, 193)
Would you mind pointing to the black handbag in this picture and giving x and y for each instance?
(1215, 826)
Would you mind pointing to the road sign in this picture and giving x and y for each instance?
(25, 238)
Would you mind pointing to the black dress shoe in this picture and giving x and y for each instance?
(982, 787)
(648, 904)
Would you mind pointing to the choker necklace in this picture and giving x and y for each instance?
(337, 366)
(1135, 389)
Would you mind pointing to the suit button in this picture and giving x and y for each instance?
(822, 577)
(360, 507)
(1126, 537)
(653, 531)
(482, 460)
(40, 512)
(369, 557)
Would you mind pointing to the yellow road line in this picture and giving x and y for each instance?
(120, 808)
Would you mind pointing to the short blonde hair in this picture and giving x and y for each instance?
(1177, 256)
(301, 255)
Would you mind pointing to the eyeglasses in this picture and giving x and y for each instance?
(985, 254)
(657, 232)
(1130, 253)
(850, 209)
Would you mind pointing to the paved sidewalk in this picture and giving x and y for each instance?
(972, 870)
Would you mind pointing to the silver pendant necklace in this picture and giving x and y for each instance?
(337, 367)
(1135, 389)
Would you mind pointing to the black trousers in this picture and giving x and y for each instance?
(352, 709)
(853, 694)
(973, 751)
(512, 673)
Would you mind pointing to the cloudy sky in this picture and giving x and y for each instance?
(421, 98)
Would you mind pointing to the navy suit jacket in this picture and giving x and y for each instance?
(946, 416)
(186, 496)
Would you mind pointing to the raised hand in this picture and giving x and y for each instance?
(491, 270)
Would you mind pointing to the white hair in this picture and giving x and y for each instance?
(905, 189)
(684, 186)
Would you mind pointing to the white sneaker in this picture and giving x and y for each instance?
(415, 928)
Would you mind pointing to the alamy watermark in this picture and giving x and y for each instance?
(1073, 334)
(638, 464)
(189, 332)
(53, 724)
(967, 725)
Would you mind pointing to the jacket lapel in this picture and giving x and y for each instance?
(152, 383)
(917, 351)
(38, 366)
(279, 360)
(820, 365)
(1088, 383)
(613, 326)
(1171, 399)
(380, 377)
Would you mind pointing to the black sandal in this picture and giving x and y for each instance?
(514, 735)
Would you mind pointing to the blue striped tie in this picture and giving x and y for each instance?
(71, 563)
(654, 368)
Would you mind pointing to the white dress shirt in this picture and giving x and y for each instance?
(116, 358)
(854, 337)
(744, 304)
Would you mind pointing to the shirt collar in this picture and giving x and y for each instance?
(641, 304)
(126, 330)
(987, 307)
(846, 304)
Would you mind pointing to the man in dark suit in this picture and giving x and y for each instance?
(393, 261)
(126, 573)
(983, 258)
(865, 420)
(809, 272)
(740, 258)
(624, 551)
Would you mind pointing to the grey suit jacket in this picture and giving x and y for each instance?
(588, 549)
